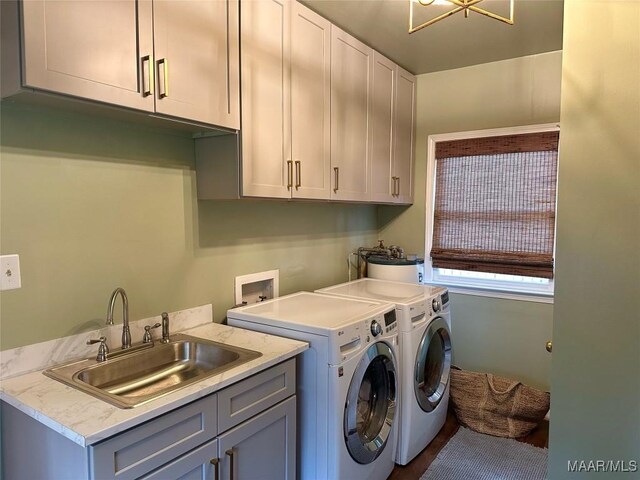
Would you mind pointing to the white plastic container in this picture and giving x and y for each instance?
(395, 270)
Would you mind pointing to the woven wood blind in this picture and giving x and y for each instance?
(495, 204)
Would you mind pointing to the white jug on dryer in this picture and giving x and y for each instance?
(396, 269)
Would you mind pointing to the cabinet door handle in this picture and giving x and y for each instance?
(336, 171)
(148, 60)
(298, 174)
(393, 190)
(165, 75)
(289, 174)
(216, 468)
(230, 454)
(398, 189)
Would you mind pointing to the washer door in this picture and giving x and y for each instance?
(433, 364)
(371, 404)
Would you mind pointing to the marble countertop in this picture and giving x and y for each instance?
(86, 420)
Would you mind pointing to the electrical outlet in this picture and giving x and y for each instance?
(10, 272)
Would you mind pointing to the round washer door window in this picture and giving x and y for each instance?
(433, 364)
(371, 404)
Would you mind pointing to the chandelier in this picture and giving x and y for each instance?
(458, 6)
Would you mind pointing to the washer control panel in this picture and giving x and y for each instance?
(381, 325)
(390, 321)
(350, 339)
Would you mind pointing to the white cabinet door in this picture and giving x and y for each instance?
(310, 103)
(267, 165)
(351, 126)
(197, 60)
(266, 444)
(404, 136)
(383, 100)
(98, 50)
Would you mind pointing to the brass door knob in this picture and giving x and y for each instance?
(549, 346)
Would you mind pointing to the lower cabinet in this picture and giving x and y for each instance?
(245, 431)
(263, 447)
(199, 464)
(140, 450)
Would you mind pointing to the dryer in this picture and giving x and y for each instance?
(425, 355)
(347, 381)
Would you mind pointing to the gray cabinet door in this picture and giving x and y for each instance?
(351, 83)
(262, 448)
(241, 401)
(198, 464)
(265, 37)
(98, 50)
(197, 60)
(405, 137)
(142, 449)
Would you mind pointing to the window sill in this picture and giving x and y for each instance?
(537, 297)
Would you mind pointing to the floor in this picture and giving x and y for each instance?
(414, 470)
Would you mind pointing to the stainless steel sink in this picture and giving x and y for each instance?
(135, 378)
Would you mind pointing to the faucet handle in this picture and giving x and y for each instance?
(99, 340)
(103, 349)
(147, 338)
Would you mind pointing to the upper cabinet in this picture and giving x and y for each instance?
(404, 137)
(266, 91)
(177, 58)
(95, 50)
(310, 103)
(384, 111)
(285, 101)
(196, 55)
(323, 116)
(394, 99)
(351, 114)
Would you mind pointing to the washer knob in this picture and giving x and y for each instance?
(376, 329)
(436, 305)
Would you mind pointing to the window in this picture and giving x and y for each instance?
(491, 202)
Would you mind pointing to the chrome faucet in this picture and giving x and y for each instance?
(126, 334)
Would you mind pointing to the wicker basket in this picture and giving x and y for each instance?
(496, 405)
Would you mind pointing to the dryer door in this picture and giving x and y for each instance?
(433, 364)
(371, 404)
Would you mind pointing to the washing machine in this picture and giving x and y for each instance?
(425, 355)
(347, 381)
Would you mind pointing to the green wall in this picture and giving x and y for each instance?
(91, 204)
(596, 360)
(502, 336)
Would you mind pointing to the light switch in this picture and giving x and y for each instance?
(9, 272)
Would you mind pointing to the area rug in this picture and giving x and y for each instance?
(474, 456)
